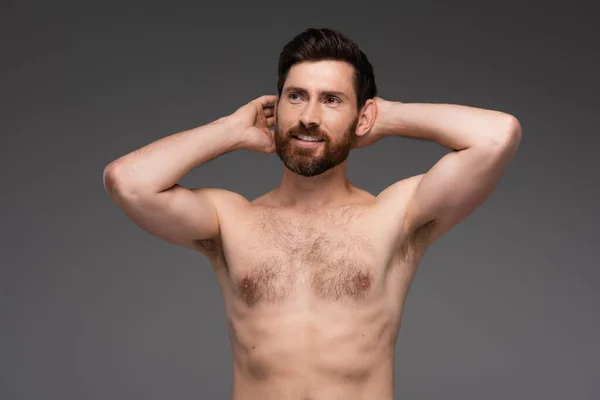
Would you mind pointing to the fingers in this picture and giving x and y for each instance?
(266, 100)
(268, 112)
(266, 104)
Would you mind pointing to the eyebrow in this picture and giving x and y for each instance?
(323, 92)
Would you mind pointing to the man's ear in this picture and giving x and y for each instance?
(366, 118)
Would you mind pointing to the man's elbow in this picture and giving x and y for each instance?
(113, 181)
(509, 134)
(109, 179)
(508, 139)
(513, 129)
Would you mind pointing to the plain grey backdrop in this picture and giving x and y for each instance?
(505, 306)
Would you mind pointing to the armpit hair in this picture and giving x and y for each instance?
(416, 241)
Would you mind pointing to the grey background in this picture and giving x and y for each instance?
(505, 306)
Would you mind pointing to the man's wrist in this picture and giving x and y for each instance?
(233, 130)
(389, 118)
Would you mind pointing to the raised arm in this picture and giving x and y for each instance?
(144, 185)
(484, 142)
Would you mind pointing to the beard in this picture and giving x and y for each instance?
(304, 160)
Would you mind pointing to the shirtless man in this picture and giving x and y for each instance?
(315, 273)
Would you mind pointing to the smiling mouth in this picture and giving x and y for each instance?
(308, 139)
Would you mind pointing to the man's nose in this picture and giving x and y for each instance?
(311, 115)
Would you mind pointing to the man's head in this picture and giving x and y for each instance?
(325, 87)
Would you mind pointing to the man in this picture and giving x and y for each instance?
(315, 272)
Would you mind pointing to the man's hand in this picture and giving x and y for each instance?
(253, 121)
(381, 126)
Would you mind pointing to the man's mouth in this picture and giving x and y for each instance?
(308, 138)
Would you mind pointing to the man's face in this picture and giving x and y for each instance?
(318, 102)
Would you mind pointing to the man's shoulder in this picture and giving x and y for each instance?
(395, 197)
(224, 200)
(219, 194)
(390, 205)
(401, 189)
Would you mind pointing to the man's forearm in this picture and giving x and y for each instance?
(454, 126)
(161, 164)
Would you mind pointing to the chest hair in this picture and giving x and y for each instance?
(324, 253)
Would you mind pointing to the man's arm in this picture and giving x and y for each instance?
(144, 185)
(484, 142)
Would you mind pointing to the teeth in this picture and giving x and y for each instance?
(309, 139)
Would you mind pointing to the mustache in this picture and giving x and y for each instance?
(312, 131)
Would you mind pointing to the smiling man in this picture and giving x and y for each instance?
(315, 272)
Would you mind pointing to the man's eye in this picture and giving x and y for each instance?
(335, 100)
(293, 96)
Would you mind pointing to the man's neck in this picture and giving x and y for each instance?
(314, 192)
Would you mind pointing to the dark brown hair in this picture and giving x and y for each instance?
(328, 44)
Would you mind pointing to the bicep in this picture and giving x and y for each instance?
(177, 215)
(456, 185)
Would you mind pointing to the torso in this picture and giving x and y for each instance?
(314, 299)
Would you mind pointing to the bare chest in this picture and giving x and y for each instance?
(275, 257)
